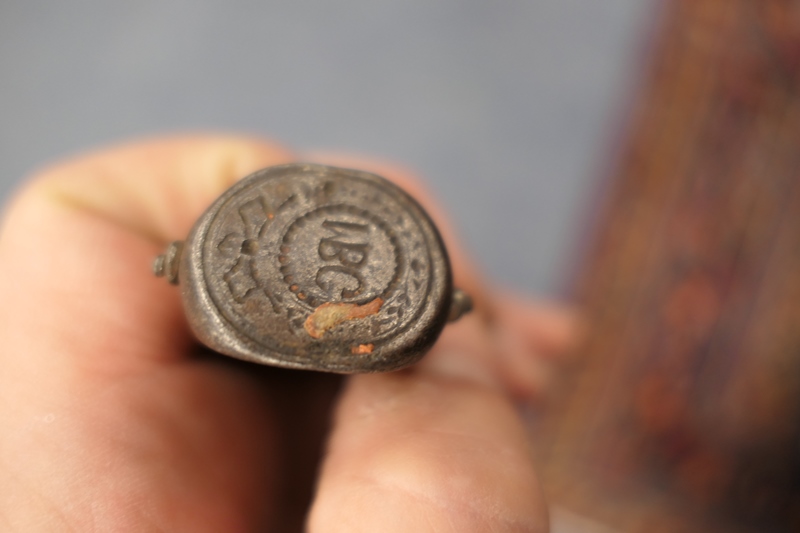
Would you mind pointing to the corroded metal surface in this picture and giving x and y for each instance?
(315, 267)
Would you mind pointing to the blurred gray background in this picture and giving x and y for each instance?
(511, 109)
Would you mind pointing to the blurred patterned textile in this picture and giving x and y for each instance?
(683, 413)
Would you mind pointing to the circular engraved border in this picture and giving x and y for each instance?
(355, 210)
(215, 330)
(234, 317)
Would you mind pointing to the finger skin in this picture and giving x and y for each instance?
(108, 425)
(438, 447)
(428, 450)
(549, 329)
(76, 244)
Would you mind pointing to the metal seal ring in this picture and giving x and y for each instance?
(318, 268)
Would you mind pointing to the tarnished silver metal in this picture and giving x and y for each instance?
(460, 305)
(166, 265)
(315, 267)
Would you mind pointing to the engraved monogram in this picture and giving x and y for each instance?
(297, 263)
(339, 253)
(347, 248)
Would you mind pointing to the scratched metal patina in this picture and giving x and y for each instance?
(316, 267)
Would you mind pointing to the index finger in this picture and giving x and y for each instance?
(76, 245)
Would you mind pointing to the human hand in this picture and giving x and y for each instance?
(113, 419)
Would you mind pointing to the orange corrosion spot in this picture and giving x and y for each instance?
(330, 315)
(362, 349)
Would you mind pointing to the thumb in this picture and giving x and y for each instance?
(77, 242)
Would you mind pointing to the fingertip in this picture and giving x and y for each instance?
(154, 187)
(550, 329)
(78, 241)
(413, 452)
(465, 352)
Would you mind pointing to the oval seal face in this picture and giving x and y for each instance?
(317, 267)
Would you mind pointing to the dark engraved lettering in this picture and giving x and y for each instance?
(346, 280)
(345, 229)
(287, 243)
(349, 246)
(347, 253)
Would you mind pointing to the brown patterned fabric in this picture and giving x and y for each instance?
(684, 414)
